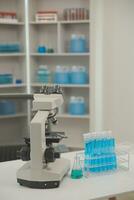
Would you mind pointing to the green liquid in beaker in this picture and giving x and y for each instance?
(76, 173)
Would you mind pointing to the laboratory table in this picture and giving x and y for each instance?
(94, 187)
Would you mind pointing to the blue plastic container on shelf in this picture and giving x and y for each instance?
(77, 106)
(43, 74)
(18, 81)
(61, 75)
(78, 44)
(7, 107)
(10, 48)
(6, 78)
(41, 49)
(78, 75)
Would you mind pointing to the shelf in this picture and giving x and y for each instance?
(60, 54)
(63, 85)
(18, 115)
(12, 85)
(76, 22)
(41, 23)
(11, 54)
(73, 116)
(12, 23)
(66, 115)
(61, 22)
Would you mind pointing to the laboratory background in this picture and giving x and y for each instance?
(82, 50)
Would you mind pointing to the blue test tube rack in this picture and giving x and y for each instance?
(100, 155)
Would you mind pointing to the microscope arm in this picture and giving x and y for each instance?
(37, 139)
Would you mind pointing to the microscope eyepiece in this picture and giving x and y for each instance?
(51, 89)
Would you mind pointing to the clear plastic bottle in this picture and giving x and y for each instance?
(61, 75)
(78, 43)
(73, 43)
(83, 43)
(78, 75)
(43, 74)
(77, 106)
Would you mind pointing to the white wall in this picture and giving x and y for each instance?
(118, 68)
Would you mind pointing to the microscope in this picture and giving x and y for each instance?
(44, 167)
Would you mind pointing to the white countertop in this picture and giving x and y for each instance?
(81, 189)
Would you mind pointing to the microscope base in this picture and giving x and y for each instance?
(48, 177)
(38, 184)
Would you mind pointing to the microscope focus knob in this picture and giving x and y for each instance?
(50, 155)
(24, 153)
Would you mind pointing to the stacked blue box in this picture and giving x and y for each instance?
(6, 78)
(10, 48)
(7, 107)
(100, 155)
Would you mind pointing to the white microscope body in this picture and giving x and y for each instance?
(37, 172)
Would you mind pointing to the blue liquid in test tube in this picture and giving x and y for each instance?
(112, 144)
(86, 147)
(114, 161)
(90, 147)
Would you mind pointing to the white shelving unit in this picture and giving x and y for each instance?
(12, 23)
(75, 22)
(57, 35)
(4, 86)
(18, 115)
(41, 23)
(60, 54)
(24, 65)
(61, 22)
(11, 54)
(13, 127)
(73, 117)
(65, 85)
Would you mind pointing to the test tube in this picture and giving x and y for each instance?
(82, 14)
(72, 14)
(65, 14)
(77, 13)
(68, 14)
